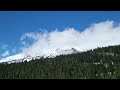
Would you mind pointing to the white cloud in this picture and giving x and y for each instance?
(25, 44)
(30, 35)
(6, 53)
(97, 35)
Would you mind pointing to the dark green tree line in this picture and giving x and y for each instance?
(100, 63)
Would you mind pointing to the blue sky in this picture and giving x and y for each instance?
(15, 23)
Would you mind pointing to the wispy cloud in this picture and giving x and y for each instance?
(4, 46)
(14, 50)
(6, 53)
(97, 35)
(31, 35)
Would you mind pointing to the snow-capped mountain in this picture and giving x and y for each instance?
(22, 57)
(13, 58)
(59, 51)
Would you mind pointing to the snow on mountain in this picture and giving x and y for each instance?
(13, 58)
(59, 51)
(22, 57)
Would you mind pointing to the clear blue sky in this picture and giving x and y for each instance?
(14, 23)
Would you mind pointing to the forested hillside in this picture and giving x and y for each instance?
(100, 63)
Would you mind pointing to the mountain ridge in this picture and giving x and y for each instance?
(21, 57)
(100, 63)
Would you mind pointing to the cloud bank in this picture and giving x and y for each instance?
(97, 35)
